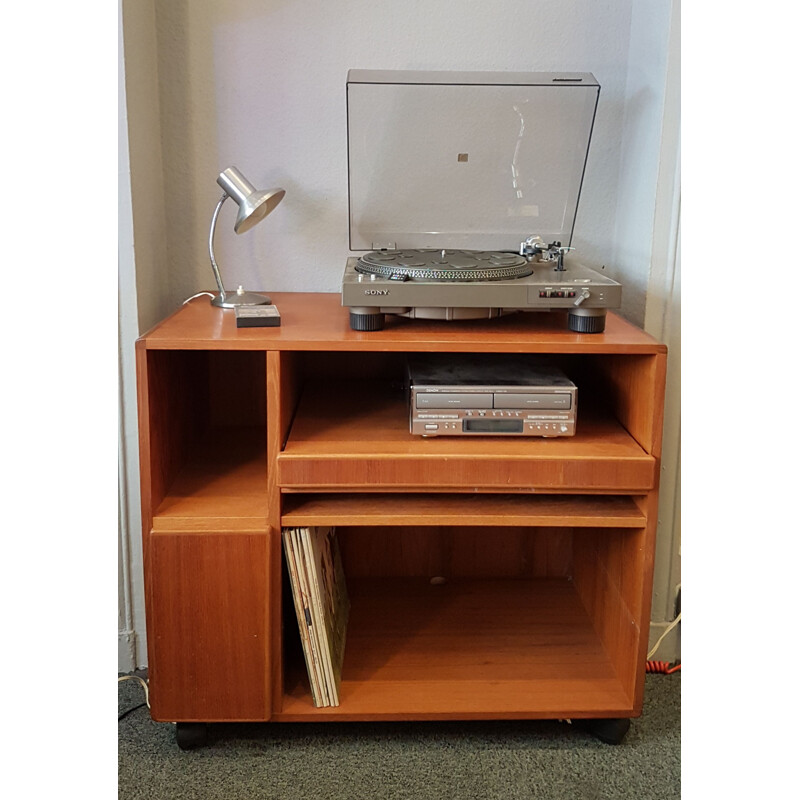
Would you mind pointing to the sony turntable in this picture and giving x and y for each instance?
(449, 173)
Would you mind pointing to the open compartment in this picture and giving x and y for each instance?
(351, 432)
(205, 442)
(476, 622)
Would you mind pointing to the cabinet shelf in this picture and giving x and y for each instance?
(222, 482)
(469, 649)
(462, 509)
(358, 437)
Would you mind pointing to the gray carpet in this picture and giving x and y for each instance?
(405, 761)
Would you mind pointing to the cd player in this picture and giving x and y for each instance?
(454, 394)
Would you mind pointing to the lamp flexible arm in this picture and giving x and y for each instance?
(214, 266)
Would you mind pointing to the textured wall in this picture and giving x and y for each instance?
(261, 85)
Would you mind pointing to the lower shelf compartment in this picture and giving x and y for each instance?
(467, 649)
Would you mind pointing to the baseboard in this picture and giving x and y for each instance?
(127, 651)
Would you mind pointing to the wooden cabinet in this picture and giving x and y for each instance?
(542, 548)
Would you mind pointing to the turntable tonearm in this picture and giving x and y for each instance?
(449, 175)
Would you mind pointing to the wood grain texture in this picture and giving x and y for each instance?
(634, 385)
(147, 480)
(318, 322)
(467, 650)
(610, 577)
(461, 509)
(357, 436)
(175, 412)
(547, 545)
(280, 398)
(456, 552)
(208, 644)
(646, 563)
(223, 477)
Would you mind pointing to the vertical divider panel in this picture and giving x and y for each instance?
(635, 385)
(281, 398)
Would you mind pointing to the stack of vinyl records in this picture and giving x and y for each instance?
(322, 605)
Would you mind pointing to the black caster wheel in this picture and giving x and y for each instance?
(190, 735)
(610, 731)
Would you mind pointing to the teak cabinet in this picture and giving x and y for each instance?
(546, 545)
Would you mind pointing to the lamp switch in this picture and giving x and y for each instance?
(257, 317)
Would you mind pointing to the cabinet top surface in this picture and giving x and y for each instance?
(314, 321)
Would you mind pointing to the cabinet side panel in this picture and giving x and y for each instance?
(284, 379)
(635, 386)
(609, 576)
(143, 403)
(207, 626)
(177, 407)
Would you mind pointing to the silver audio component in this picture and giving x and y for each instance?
(463, 191)
(456, 394)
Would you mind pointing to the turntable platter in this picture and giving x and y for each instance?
(444, 265)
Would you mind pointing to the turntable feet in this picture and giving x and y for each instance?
(587, 320)
(367, 322)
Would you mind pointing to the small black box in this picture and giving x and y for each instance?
(257, 317)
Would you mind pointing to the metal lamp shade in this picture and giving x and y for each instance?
(253, 205)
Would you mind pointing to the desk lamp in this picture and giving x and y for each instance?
(253, 207)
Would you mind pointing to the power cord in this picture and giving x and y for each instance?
(146, 694)
(199, 294)
(662, 667)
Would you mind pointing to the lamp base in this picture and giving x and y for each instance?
(239, 298)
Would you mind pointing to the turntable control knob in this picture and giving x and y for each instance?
(584, 295)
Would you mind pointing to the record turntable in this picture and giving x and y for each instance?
(464, 189)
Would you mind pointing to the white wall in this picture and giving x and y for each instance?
(144, 296)
(663, 320)
(128, 328)
(260, 84)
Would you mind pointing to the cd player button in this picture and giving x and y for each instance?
(431, 427)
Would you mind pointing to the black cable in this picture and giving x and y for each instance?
(130, 710)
